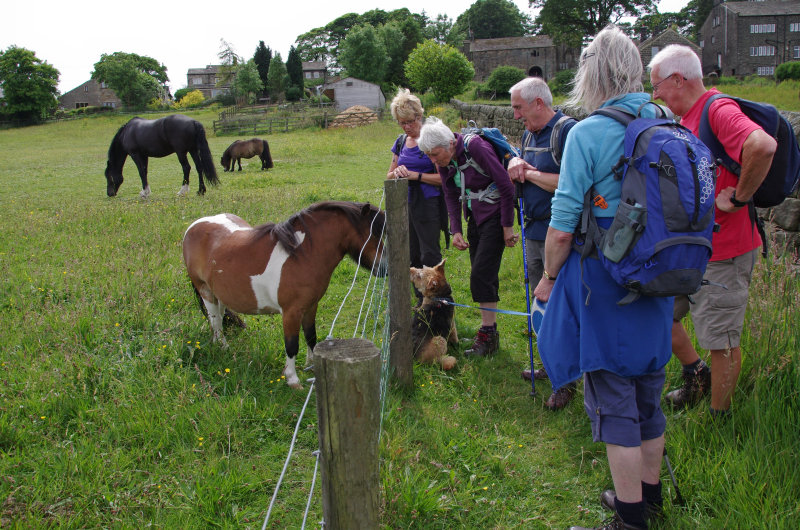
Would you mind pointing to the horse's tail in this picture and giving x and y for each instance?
(266, 156)
(209, 169)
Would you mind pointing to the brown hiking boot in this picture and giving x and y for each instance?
(561, 397)
(651, 511)
(486, 342)
(539, 374)
(696, 384)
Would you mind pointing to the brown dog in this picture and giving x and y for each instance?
(433, 325)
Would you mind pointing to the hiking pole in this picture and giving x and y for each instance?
(527, 283)
(678, 497)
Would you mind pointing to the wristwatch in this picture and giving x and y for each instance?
(548, 277)
(737, 202)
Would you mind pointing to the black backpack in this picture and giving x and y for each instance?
(782, 179)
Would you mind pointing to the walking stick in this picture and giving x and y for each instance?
(527, 283)
(678, 497)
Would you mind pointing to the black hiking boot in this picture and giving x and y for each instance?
(652, 511)
(696, 384)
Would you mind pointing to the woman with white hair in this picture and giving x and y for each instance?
(487, 199)
(621, 350)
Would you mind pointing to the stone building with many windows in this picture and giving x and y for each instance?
(746, 38)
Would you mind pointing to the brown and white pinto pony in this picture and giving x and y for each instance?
(279, 268)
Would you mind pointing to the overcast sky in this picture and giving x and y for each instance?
(181, 35)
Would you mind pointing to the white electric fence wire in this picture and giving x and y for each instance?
(289, 456)
(371, 281)
(377, 295)
(352, 284)
(311, 492)
(385, 371)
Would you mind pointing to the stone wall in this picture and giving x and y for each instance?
(783, 222)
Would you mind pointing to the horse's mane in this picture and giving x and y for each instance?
(285, 232)
(115, 148)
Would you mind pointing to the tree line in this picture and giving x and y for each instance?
(390, 48)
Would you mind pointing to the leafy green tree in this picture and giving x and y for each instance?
(439, 29)
(440, 68)
(363, 54)
(277, 72)
(571, 21)
(503, 78)
(180, 93)
(136, 79)
(696, 11)
(229, 61)
(489, 19)
(247, 84)
(294, 67)
(262, 58)
(29, 85)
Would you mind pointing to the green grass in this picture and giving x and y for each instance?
(117, 411)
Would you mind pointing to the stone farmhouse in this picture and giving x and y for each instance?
(536, 55)
(746, 38)
(314, 70)
(653, 45)
(205, 80)
(89, 94)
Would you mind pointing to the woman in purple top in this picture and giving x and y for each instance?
(424, 184)
(488, 205)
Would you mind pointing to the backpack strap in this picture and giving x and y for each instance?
(710, 139)
(470, 162)
(400, 143)
(555, 138)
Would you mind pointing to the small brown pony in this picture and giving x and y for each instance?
(279, 268)
(246, 149)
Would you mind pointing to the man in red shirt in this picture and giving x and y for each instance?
(718, 312)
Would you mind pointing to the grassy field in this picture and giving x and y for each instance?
(117, 411)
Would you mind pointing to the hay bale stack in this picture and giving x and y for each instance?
(355, 116)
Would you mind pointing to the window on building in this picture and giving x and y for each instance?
(316, 75)
(715, 21)
(563, 66)
(535, 53)
(713, 39)
(765, 70)
(103, 85)
(308, 75)
(81, 105)
(654, 50)
(762, 51)
(796, 52)
(197, 80)
(794, 26)
(109, 104)
(85, 88)
(349, 83)
(702, 44)
(762, 28)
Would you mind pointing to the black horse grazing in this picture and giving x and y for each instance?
(142, 139)
(246, 149)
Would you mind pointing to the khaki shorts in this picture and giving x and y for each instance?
(718, 313)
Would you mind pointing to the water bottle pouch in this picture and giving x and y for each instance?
(624, 232)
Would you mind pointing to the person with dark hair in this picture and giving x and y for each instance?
(486, 198)
(620, 349)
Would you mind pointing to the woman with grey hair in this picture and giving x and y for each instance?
(425, 204)
(486, 196)
(621, 350)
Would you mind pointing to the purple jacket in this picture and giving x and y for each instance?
(483, 153)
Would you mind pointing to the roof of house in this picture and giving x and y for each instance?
(209, 69)
(314, 65)
(668, 36)
(510, 43)
(753, 9)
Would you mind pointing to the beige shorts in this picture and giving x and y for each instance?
(718, 312)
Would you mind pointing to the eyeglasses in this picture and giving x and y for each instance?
(404, 123)
(655, 86)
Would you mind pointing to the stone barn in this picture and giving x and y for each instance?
(351, 91)
(538, 56)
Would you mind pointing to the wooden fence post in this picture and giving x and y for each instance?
(400, 348)
(347, 375)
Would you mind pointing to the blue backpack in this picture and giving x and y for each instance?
(502, 147)
(782, 178)
(659, 241)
